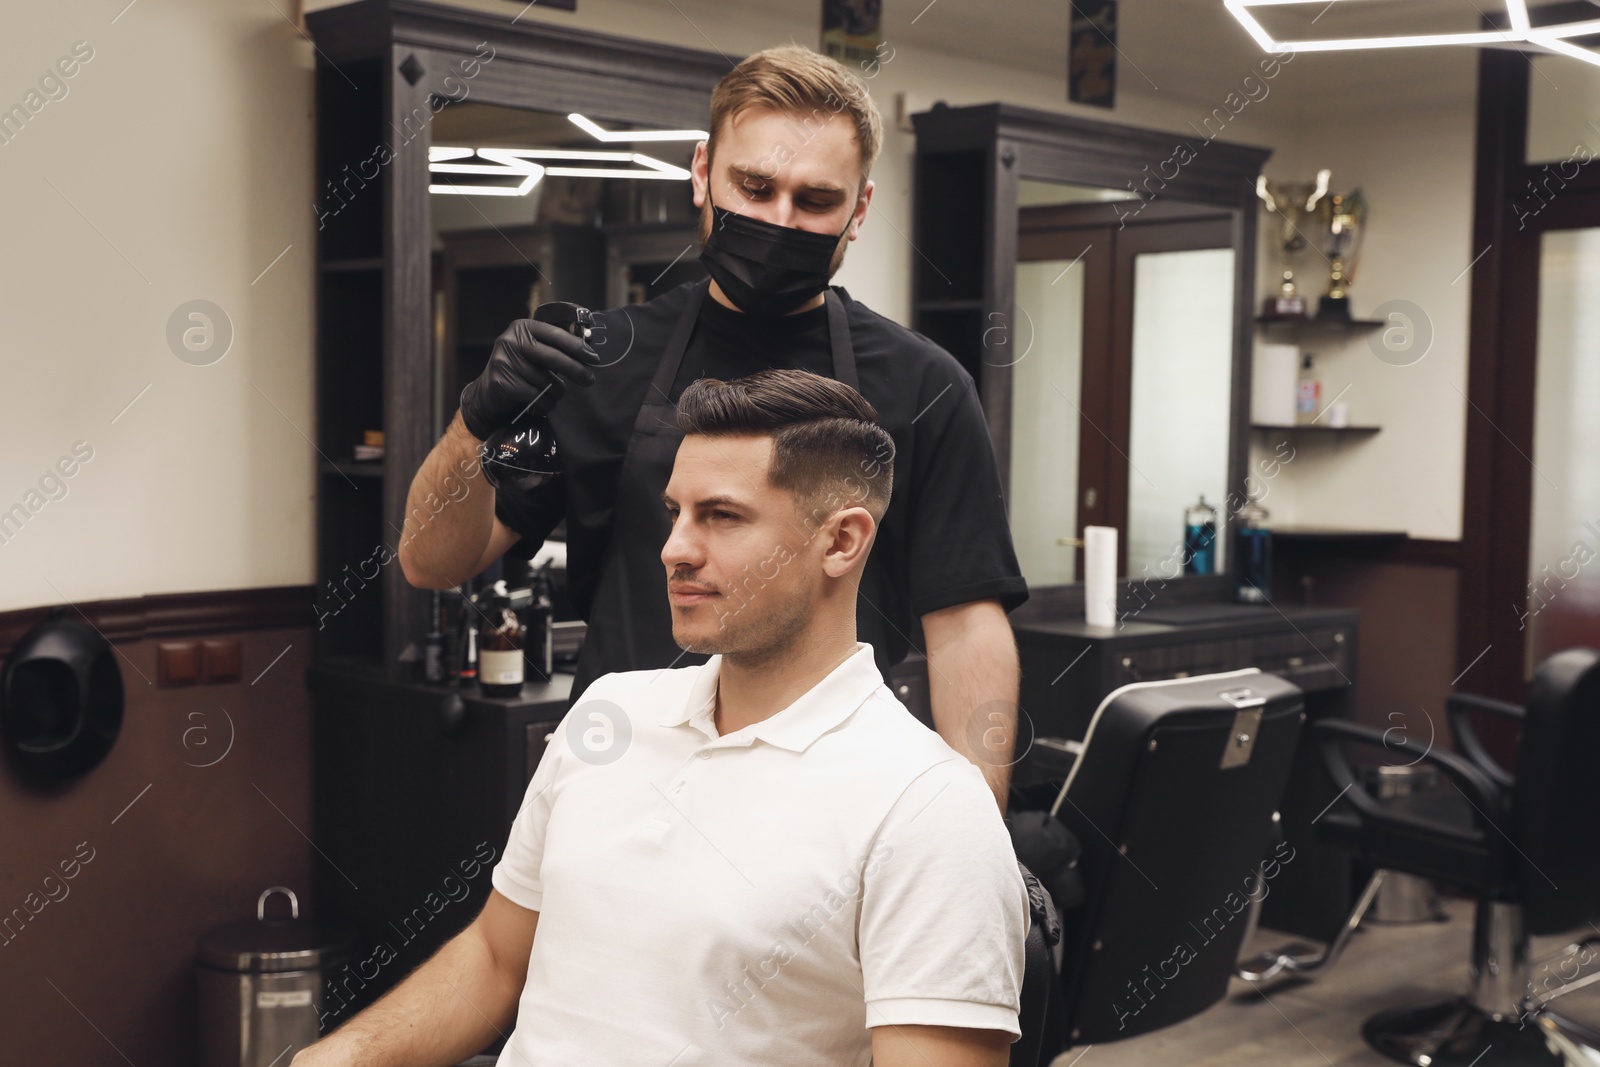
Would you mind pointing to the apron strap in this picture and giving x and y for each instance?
(844, 355)
(657, 406)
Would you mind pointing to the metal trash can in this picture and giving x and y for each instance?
(261, 983)
(1404, 898)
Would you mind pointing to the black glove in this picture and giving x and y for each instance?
(1050, 850)
(530, 364)
(1042, 907)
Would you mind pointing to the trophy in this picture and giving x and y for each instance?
(1344, 218)
(1293, 202)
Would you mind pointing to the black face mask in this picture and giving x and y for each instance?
(766, 269)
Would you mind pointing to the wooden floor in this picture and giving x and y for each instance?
(1318, 1023)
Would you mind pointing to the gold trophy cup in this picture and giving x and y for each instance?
(1344, 220)
(1293, 203)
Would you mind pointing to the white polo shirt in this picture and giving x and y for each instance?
(763, 897)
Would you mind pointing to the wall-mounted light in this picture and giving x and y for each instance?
(1553, 38)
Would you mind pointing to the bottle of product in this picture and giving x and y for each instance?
(1199, 538)
(541, 622)
(467, 635)
(1308, 397)
(500, 653)
(1255, 555)
(433, 650)
(522, 455)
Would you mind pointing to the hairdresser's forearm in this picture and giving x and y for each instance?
(449, 513)
(973, 679)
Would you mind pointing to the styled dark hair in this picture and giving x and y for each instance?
(828, 448)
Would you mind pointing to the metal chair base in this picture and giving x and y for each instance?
(1457, 1034)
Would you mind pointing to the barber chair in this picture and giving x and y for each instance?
(1172, 798)
(1038, 975)
(1526, 846)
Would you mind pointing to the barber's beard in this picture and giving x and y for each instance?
(834, 262)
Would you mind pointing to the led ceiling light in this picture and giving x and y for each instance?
(1516, 11)
(593, 130)
(502, 163)
(1556, 37)
(520, 162)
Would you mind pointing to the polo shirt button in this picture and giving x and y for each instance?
(705, 754)
(678, 788)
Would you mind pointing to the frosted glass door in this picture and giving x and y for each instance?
(1045, 385)
(1563, 600)
(1181, 389)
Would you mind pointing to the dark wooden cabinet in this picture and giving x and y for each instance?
(412, 809)
(1069, 667)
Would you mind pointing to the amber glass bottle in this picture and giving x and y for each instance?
(500, 646)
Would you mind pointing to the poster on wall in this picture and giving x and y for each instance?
(1092, 53)
(852, 30)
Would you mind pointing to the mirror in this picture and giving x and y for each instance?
(1122, 388)
(533, 206)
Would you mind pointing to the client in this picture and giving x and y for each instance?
(764, 859)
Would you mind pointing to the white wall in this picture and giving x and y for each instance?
(178, 167)
(1415, 167)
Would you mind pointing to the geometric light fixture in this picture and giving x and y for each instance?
(442, 159)
(593, 129)
(515, 171)
(651, 167)
(1554, 38)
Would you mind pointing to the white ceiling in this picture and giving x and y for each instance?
(1189, 51)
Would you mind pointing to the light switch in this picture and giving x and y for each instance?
(177, 663)
(220, 660)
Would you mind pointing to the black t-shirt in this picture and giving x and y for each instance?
(944, 539)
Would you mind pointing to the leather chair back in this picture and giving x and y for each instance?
(1555, 800)
(1174, 812)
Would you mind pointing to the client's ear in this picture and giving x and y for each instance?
(849, 534)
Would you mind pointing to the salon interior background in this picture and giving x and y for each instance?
(176, 166)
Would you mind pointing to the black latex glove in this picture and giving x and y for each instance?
(1050, 850)
(530, 364)
(1042, 907)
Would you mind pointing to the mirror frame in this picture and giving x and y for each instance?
(538, 66)
(1016, 144)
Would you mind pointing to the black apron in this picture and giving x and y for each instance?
(630, 622)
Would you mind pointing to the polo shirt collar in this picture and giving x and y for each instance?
(814, 713)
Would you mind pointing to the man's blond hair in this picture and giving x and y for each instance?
(810, 87)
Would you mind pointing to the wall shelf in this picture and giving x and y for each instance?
(1308, 325)
(353, 468)
(333, 266)
(1348, 431)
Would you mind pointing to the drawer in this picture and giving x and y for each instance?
(1186, 660)
(1318, 658)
